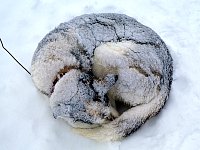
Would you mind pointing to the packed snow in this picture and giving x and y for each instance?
(26, 119)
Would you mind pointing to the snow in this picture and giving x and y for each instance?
(26, 118)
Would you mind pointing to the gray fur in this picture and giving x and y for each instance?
(83, 35)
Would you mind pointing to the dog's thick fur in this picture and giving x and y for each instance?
(87, 64)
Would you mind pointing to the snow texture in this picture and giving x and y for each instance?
(26, 120)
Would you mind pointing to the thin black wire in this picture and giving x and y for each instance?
(14, 57)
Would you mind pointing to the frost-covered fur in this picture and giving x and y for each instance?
(87, 64)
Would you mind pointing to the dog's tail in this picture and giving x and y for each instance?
(129, 121)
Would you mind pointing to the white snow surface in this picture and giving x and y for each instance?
(26, 119)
